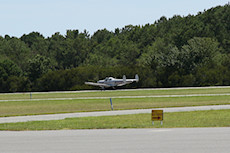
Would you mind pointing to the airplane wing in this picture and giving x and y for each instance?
(97, 84)
(122, 84)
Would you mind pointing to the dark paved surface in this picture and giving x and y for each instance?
(178, 140)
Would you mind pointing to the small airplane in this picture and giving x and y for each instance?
(113, 82)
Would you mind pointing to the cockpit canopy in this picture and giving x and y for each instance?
(109, 78)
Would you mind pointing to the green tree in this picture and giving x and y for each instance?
(37, 66)
(16, 50)
(160, 55)
(56, 47)
(199, 52)
(37, 43)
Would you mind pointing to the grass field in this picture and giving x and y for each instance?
(213, 118)
(46, 106)
(16, 108)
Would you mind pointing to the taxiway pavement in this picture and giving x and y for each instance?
(175, 140)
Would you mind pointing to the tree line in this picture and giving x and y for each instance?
(193, 50)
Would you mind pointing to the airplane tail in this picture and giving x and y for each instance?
(136, 78)
(124, 78)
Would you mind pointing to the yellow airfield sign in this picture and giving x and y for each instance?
(157, 115)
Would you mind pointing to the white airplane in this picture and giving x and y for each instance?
(113, 82)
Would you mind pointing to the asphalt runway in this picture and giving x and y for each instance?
(175, 140)
(80, 91)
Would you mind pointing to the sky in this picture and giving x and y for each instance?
(18, 17)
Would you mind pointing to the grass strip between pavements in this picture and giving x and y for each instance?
(210, 118)
(20, 108)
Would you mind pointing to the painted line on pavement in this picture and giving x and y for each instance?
(154, 96)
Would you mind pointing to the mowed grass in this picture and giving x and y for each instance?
(44, 105)
(212, 118)
(16, 108)
(115, 93)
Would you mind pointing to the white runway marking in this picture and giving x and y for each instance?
(80, 91)
(154, 96)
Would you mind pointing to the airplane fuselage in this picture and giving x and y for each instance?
(113, 82)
